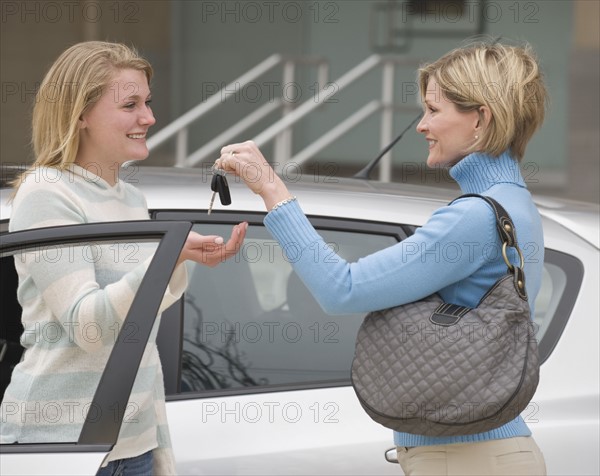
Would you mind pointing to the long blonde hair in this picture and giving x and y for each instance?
(74, 83)
(506, 79)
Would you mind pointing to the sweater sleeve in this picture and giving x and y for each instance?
(450, 247)
(65, 276)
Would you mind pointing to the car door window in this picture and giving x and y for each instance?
(252, 322)
(561, 282)
(107, 249)
(49, 268)
(554, 282)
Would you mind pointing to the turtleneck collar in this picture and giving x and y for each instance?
(477, 172)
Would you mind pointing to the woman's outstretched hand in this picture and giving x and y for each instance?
(210, 250)
(247, 162)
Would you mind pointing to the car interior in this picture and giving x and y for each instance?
(10, 324)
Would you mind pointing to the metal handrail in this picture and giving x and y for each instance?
(223, 138)
(179, 126)
(318, 99)
(281, 130)
(193, 114)
(336, 132)
(321, 97)
(289, 119)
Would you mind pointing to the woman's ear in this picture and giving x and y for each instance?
(82, 122)
(485, 116)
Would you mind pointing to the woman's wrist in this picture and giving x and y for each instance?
(283, 202)
(274, 193)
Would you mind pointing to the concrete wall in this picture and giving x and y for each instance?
(34, 33)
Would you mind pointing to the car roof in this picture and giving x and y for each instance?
(189, 188)
(319, 196)
(347, 197)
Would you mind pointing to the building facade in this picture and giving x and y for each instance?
(334, 60)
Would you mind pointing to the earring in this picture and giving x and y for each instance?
(476, 137)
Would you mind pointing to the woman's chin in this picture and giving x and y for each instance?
(439, 163)
(139, 156)
(434, 162)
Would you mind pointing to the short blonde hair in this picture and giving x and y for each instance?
(505, 79)
(71, 87)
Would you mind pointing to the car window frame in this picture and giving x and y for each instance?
(100, 434)
(574, 269)
(172, 325)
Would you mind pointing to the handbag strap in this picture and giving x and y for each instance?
(508, 236)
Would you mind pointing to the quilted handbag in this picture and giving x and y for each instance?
(438, 369)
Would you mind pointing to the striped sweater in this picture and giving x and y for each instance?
(75, 299)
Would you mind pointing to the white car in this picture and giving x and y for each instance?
(257, 376)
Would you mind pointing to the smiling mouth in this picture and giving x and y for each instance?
(137, 136)
(431, 142)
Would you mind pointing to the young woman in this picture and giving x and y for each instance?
(482, 104)
(92, 114)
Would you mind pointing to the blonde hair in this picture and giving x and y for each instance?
(74, 83)
(506, 79)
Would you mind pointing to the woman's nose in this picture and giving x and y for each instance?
(422, 126)
(148, 117)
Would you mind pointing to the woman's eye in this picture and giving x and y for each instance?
(148, 102)
(130, 105)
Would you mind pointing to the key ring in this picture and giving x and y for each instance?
(217, 171)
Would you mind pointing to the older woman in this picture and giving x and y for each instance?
(482, 104)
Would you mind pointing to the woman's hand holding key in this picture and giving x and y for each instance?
(246, 161)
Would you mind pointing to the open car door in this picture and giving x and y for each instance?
(100, 430)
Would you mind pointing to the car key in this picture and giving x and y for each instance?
(219, 185)
(213, 187)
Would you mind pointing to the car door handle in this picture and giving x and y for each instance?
(391, 456)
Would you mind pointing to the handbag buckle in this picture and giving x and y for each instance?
(507, 261)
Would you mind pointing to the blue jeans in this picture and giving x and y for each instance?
(136, 466)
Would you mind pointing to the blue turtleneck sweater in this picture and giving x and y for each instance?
(412, 269)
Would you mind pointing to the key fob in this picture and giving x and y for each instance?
(219, 184)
